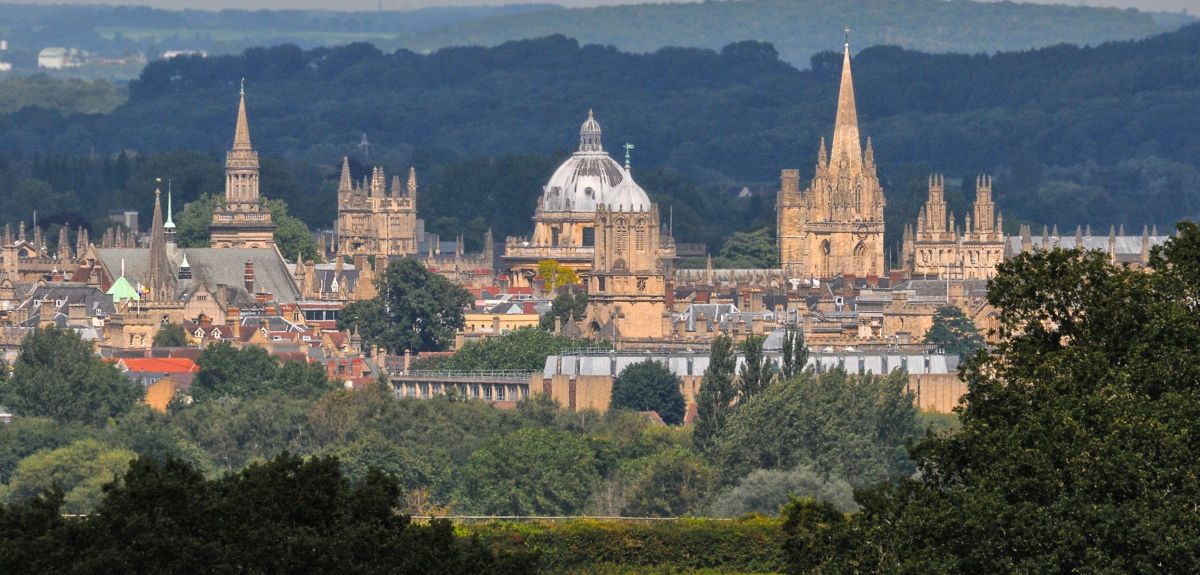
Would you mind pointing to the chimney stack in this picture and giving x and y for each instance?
(248, 276)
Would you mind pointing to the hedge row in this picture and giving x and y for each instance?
(747, 545)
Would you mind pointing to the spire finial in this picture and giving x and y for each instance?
(628, 149)
(241, 133)
(242, 90)
(170, 223)
(846, 31)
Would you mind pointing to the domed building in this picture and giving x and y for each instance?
(565, 222)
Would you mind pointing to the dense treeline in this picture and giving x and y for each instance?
(1073, 135)
(801, 28)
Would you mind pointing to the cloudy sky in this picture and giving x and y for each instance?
(1193, 6)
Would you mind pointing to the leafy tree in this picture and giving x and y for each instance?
(301, 379)
(80, 469)
(567, 307)
(226, 371)
(795, 352)
(555, 275)
(854, 427)
(289, 514)
(171, 335)
(373, 451)
(766, 491)
(1075, 452)
(954, 332)
(521, 349)
(667, 484)
(757, 370)
(649, 386)
(530, 472)
(24, 436)
(754, 250)
(59, 375)
(715, 399)
(191, 225)
(415, 309)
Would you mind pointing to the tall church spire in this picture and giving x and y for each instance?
(241, 135)
(846, 141)
(160, 278)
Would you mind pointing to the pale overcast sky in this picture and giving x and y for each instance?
(1193, 6)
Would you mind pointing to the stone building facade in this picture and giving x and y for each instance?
(938, 247)
(835, 226)
(374, 220)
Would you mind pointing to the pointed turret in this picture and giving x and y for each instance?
(241, 133)
(344, 184)
(64, 244)
(1145, 255)
(869, 157)
(81, 242)
(1078, 237)
(847, 144)
(160, 278)
(21, 232)
(396, 191)
(822, 156)
(412, 186)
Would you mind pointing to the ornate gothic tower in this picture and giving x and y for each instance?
(373, 221)
(242, 222)
(836, 225)
(627, 287)
(938, 247)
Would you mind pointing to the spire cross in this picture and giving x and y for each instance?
(628, 149)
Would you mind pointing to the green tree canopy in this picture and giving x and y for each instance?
(171, 335)
(1076, 452)
(715, 399)
(530, 472)
(226, 371)
(954, 332)
(757, 371)
(649, 386)
(59, 375)
(79, 469)
(753, 250)
(521, 349)
(415, 309)
(853, 427)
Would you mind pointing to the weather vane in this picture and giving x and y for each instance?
(628, 148)
(242, 91)
(846, 30)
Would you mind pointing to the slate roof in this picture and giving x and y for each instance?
(212, 267)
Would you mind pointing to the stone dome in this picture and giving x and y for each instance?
(627, 196)
(587, 178)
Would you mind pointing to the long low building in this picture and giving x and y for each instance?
(584, 380)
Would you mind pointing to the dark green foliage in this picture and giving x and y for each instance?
(807, 527)
(649, 386)
(58, 375)
(521, 349)
(171, 335)
(854, 427)
(1076, 451)
(795, 352)
(715, 398)
(567, 307)
(414, 310)
(25, 436)
(757, 370)
(747, 545)
(954, 332)
(749, 250)
(287, 515)
(226, 371)
(670, 483)
(531, 471)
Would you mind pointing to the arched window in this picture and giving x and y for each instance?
(640, 235)
(622, 240)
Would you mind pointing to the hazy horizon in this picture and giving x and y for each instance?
(364, 5)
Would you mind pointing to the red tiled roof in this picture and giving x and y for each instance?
(159, 364)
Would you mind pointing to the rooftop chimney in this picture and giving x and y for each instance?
(248, 276)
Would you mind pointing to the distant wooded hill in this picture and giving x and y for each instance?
(1099, 136)
(801, 28)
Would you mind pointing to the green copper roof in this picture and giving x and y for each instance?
(121, 290)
